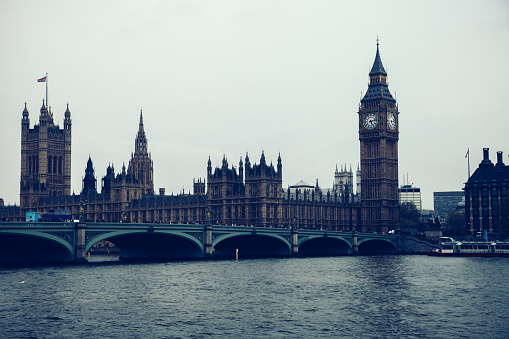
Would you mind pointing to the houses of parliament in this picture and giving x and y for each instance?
(245, 194)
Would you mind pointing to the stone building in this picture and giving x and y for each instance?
(45, 158)
(250, 194)
(343, 181)
(379, 135)
(486, 197)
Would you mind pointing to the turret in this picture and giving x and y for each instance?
(279, 166)
(317, 187)
(262, 159)
(141, 140)
(89, 181)
(248, 163)
(25, 122)
(358, 180)
(209, 168)
(141, 166)
(67, 118)
(241, 168)
(107, 179)
(44, 118)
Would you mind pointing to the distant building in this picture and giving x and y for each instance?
(343, 180)
(8, 213)
(445, 203)
(428, 216)
(486, 197)
(412, 195)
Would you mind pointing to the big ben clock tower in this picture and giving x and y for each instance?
(378, 135)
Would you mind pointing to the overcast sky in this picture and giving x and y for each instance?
(226, 77)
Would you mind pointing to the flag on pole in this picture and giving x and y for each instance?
(43, 79)
(468, 151)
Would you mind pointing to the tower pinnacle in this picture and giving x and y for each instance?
(141, 139)
(378, 87)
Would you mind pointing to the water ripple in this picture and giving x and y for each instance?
(367, 296)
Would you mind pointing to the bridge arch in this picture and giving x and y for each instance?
(36, 247)
(324, 245)
(377, 246)
(251, 245)
(156, 244)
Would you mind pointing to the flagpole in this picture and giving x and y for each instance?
(468, 156)
(47, 103)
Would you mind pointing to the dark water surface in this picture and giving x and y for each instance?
(353, 296)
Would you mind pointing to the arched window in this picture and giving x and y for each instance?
(55, 164)
(60, 165)
(50, 163)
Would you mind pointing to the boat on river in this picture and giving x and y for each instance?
(472, 249)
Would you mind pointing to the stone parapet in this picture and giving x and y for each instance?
(412, 245)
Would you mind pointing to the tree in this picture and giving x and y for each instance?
(409, 217)
(455, 223)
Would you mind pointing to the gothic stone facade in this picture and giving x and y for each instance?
(379, 135)
(45, 158)
(250, 195)
(247, 195)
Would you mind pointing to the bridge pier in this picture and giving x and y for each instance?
(80, 255)
(354, 242)
(209, 250)
(295, 242)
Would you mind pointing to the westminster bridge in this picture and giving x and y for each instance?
(70, 242)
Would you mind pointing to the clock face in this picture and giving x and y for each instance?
(391, 121)
(370, 121)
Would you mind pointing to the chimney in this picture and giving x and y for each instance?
(161, 191)
(486, 161)
(500, 162)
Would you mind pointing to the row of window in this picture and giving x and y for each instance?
(55, 164)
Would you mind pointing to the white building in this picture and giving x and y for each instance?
(410, 194)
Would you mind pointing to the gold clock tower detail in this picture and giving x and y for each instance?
(378, 135)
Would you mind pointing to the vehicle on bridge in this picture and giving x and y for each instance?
(51, 215)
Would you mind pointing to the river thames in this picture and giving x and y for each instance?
(381, 296)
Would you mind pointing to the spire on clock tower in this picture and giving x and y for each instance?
(378, 67)
(378, 86)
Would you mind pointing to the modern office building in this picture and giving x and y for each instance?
(445, 203)
(410, 194)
